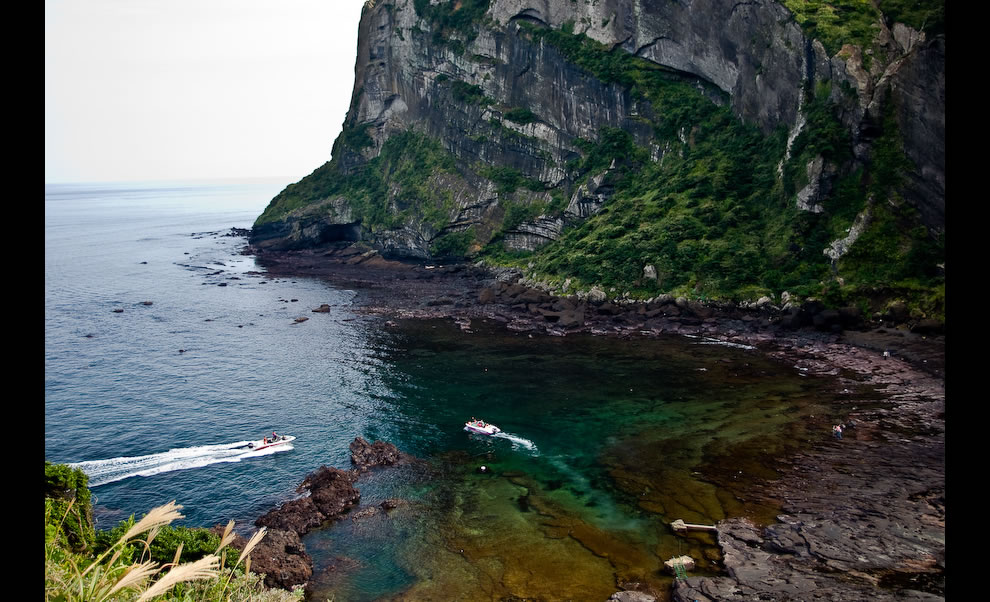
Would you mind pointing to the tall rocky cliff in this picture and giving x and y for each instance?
(708, 147)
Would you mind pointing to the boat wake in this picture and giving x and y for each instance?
(102, 472)
(518, 442)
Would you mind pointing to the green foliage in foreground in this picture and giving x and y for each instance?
(195, 543)
(144, 560)
(67, 494)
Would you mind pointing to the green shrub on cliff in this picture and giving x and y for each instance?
(837, 22)
(450, 20)
(453, 244)
(857, 22)
(508, 179)
(468, 93)
(385, 192)
(520, 115)
(924, 15)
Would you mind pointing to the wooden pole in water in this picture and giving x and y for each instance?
(680, 525)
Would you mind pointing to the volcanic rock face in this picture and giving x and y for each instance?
(464, 87)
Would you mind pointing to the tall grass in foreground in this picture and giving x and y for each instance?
(115, 576)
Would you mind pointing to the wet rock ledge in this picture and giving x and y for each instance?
(862, 517)
(328, 494)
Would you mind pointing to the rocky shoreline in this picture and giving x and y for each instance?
(862, 517)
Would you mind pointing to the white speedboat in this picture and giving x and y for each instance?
(271, 442)
(481, 427)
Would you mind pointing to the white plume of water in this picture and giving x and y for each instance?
(101, 472)
(518, 442)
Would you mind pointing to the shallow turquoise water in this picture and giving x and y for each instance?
(603, 438)
(575, 412)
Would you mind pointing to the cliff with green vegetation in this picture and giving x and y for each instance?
(722, 151)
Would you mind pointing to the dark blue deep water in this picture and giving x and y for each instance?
(166, 350)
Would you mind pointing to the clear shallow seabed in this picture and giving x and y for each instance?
(606, 441)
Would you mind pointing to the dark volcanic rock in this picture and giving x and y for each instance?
(281, 555)
(282, 558)
(332, 490)
(366, 455)
(299, 516)
(780, 564)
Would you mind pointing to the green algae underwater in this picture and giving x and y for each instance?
(605, 442)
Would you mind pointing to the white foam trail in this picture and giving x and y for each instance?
(101, 472)
(518, 442)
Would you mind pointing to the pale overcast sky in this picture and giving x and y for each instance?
(192, 89)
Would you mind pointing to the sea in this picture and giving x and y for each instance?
(168, 349)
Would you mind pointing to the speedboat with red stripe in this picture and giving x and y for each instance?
(481, 427)
(272, 441)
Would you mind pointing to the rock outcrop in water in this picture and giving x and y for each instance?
(331, 494)
(365, 455)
